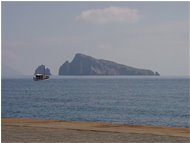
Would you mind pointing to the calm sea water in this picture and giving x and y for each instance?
(162, 101)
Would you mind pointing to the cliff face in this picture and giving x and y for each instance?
(40, 70)
(86, 65)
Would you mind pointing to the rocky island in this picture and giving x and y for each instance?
(87, 65)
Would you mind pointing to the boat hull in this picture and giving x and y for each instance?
(38, 79)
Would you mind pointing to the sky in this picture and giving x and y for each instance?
(149, 35)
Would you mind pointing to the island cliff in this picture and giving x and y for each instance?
(87, 65)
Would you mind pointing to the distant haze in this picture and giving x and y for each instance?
(150, 35)
(9, 72)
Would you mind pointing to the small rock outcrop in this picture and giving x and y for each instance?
(41, 70)
(86, 65)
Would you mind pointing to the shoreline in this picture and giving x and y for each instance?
(22, 129)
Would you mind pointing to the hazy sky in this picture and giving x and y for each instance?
(151, 35)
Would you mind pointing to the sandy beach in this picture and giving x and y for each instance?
(37, 130)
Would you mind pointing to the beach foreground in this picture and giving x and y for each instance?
(36, 130)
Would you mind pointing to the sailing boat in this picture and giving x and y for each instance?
(43, 76)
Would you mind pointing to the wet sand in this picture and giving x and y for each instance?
(36, 130)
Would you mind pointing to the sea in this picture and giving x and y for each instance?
(134, 100)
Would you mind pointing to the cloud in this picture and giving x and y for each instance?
(110, 15)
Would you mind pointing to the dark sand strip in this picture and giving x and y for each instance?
(33, 130)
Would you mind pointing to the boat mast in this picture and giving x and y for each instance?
(44, 70)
